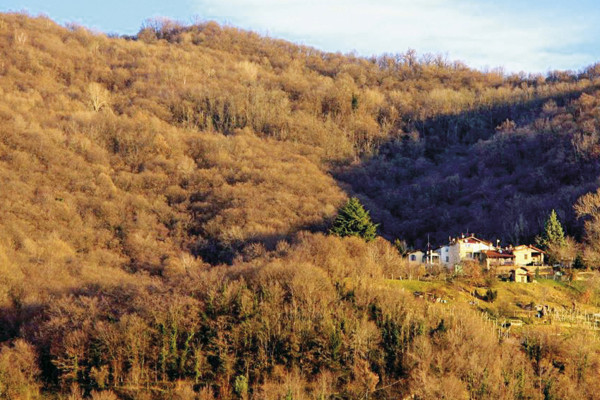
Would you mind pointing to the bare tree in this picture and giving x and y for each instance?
(99, 97)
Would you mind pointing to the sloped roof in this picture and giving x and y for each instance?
(528, 246)
(527, 270)
(497, 254)
(473, 239)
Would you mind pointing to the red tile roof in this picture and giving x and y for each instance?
(496, 254)
(473, 239)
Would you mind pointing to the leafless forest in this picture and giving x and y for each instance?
(165, 201)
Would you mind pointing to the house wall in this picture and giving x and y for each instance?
(521, 278)
(454, 254)
(461, 251)
(418, 257)
(523, 256)
(468, 251)
(444, 253)
(526, 257)
(520, 275)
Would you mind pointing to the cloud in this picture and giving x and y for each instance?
(534, 38)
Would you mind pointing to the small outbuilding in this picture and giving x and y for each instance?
(520, 275)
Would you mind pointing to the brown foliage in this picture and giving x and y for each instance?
(128, 167)
(19, 371)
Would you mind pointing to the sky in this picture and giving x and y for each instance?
(518, 35)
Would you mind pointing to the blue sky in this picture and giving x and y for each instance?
(526, 35)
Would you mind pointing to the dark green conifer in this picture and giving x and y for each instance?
(354, 220)
(579, 262)
(553, 232)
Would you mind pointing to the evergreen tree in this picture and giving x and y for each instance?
(579, 262)
(553, 232)
(354, 220)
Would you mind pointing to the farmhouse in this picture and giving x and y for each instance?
(463, 249)
(528, 255)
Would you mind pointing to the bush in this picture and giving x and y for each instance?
(240, 386)
(491, 295)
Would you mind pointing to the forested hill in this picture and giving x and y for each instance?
(502, 186)
(441, 148)
(435, 147)
(165, 199)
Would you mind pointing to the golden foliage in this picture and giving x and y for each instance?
(128, 166)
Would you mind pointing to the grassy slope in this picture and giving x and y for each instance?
(512, 297)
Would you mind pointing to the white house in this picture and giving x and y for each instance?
(463, 248)
(416, 257)
(444, 254)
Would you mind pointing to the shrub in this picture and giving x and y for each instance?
(491, 295)
(240, 386)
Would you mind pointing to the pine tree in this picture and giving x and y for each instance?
(579, 262)
(553, 232)
(354, 220)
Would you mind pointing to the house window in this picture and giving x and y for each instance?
(413, 258)
(447, 259)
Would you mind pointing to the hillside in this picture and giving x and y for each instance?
(165, 201)
(502, 186)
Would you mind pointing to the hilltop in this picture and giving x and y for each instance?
(166, 198)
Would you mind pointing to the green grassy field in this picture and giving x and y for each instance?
(513, 301)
